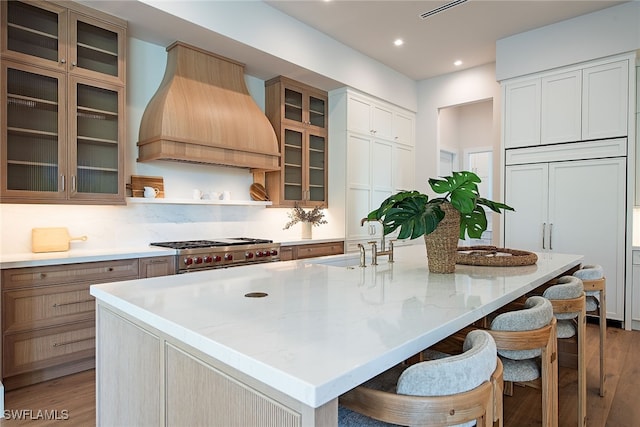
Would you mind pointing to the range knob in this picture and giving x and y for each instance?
(198, 260)
(259, 254)
(207, 259)
(248, 255)
(188, 261)
(217, 258)
(274, 252)
(228, 257)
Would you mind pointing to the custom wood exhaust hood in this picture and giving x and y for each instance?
(203, 113)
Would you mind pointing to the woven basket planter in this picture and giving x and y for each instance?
(442, 243)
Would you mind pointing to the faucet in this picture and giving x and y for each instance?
(374, 247)
(362, 255)
(375, 253)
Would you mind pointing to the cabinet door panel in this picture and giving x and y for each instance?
(35, 33)
(34, 137)
(526, 191)
(403, 167)
(96, 49)
(359, 172)
(403, 128)
(522, 114)
(587, 210)
(382, 122)
(381, 167)
(359, 199)
(605, 100)
(359, 118)
(561, 108)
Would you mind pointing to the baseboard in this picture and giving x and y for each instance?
(610, 322)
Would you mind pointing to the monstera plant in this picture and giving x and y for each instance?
(417, 215)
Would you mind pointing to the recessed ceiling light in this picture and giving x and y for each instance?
(398, 42)
(457, 63)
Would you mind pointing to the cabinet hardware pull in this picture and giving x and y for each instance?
(73, 183)
(62, 181)
(55, 305)
(63, 61)
(550, 237)
(43, 275)
(110, 269)
(544, 230)
(56, 344)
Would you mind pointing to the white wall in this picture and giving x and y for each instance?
(453, 89)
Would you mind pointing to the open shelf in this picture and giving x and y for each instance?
(165, 201)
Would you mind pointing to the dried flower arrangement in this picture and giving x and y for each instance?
(298, 214)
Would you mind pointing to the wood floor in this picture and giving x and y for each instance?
(72, 399)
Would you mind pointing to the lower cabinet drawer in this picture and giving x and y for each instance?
(43, 348)
(46, 306)
(319, 249)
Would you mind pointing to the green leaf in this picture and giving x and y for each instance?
(473, 223)
(494, 206)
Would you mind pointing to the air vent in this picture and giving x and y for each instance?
(442, 8)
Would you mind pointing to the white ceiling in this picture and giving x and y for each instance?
(467, 31)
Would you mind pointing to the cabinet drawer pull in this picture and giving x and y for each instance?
(43, 275)
(110, 269)
(71, 303)
(60, 344)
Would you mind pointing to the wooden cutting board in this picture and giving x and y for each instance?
(138, 182)
(258, 192)
(54, 239)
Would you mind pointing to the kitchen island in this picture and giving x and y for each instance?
(211, 348)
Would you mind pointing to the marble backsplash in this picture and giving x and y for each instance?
(137, 225)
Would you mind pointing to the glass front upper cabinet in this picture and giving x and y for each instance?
(96, 136)
(34, 149)
(304, 108)
(46, 34)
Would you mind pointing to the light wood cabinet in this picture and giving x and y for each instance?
(63, 82)
(157, 266)
(553, 214)
(298, 114)
(585, 102)
(311, 250)
(48, 318)
(635, 300)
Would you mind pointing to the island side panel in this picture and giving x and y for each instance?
(153, 379)
(128, 373)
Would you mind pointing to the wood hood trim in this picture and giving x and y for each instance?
(203, 113)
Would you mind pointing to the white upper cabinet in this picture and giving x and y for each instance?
(605, 97)
(560, 113)
(568, 105)
(403, 128)
(522, 110)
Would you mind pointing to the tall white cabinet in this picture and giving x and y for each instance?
(567, 142)
(372, 145)
(572, 206)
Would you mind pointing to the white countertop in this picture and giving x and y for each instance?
(74, 256)
(323, 329)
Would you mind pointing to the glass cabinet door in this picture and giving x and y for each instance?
(293, 105)
(33, 152)
(317, 178)
(96, 131)
(317, 108)
(292, 166)
(96, 47)
(35, 33)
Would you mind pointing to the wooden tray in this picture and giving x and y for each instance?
(138, 182)
(494, 257)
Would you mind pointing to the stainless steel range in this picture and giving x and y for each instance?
(196, 255)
